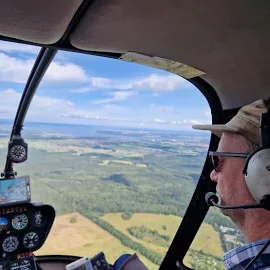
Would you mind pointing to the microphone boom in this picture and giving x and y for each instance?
(212, 200)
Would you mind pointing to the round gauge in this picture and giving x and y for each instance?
(10, 244)
(17, 152)
(30, 240)
(19, 222)
(39, 219)
(3, 224)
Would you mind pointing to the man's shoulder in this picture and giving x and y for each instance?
(239, 257)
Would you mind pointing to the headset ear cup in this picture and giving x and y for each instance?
(257, 174)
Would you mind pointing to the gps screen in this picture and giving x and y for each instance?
(14, 190)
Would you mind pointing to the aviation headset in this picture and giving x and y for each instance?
(257, 164)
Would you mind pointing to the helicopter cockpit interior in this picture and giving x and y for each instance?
(221, 47)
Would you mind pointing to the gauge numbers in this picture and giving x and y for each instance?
(17, 152)
(19, 222)
(10, 244)
(30, 240)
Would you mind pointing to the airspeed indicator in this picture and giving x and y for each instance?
(30, 240)
(19, 222)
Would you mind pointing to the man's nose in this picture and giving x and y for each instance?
(214, 176)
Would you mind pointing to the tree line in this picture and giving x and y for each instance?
(151, 255)
(141, 232)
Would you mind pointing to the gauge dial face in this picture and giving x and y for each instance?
(10, 244)
(19, 222)
(17, 152)
(39, 218)
(30, 240)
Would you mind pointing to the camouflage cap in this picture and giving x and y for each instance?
(246, 122)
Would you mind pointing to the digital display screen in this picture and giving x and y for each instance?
(14, 190)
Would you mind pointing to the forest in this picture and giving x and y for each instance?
(114, 171)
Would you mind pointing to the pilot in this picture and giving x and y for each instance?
(240, 135)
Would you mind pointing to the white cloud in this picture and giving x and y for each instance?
(65, 72)
(48, 109)
(40, 104)
(81, 90)
(112, 113)
(14, 70)
(193, 122)
(9, 102)
(160, 83)
(17, 70)
(51, 104)
(17, 47)
(95, 83)
(187, 122)
(153, 82)
(99, 115)
(84, 115)
(160, 121)
(12, 47)
(100, 82)
(117, 96)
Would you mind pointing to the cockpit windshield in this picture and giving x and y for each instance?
(112, 149)
(16, 62)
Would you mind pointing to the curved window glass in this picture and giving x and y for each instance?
(111, 148)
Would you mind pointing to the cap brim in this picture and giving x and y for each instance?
(216, 129)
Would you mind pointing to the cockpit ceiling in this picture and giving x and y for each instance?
(228, 40)
(39, 21)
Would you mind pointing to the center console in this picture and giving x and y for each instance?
(24, 227)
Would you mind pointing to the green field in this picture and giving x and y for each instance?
(73, 234)
(207, 240)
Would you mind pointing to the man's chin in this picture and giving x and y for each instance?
(233, 214)
(226, 212)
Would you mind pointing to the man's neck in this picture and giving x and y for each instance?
(256, 227)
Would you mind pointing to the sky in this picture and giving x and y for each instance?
(85, 89)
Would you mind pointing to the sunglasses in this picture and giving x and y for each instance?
(214, 157)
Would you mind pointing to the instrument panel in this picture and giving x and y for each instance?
(24, 227)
